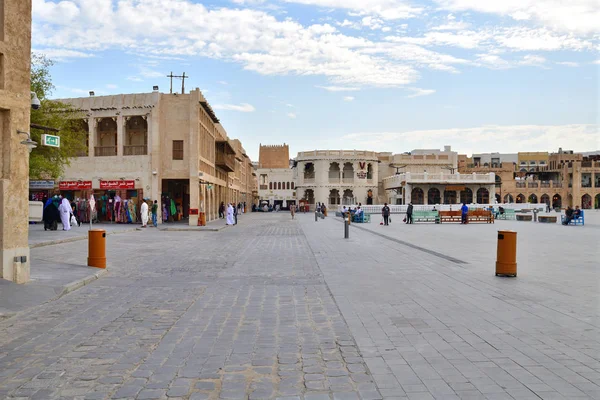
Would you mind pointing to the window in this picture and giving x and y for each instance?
(177, 149)
(288, 186)
(278, 185)
(270, 185)
(292, 185)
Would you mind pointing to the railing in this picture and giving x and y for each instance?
(521, 184)
(556, 184)
(396, 181)
(347, 180)
(545, 184)
(334, 179)
(264, 187)
(532, 185)
(105, 151)
(137, 150)
(225, 161)
(401, 209)
(309, 180)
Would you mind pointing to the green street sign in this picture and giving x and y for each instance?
(50, 140)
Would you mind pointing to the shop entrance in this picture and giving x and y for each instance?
(177, 190)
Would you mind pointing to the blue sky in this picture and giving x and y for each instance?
(383, 75)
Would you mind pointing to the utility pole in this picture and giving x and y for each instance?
(182, 81)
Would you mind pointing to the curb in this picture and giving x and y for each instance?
(76, 239)
(200, 229)
(73, 286)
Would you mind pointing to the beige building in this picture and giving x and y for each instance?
(277, 184)
(15, 104)
(160, 146)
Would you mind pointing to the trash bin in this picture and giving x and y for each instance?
(506, 258)
(201, 219)
(97, 248)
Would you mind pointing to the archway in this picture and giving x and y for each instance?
(334, 172)
(348, 173)
(586, 201)
(433, 196)
(497, 198)
(309, 171)
(532, 198)
(520, 198)
(416, 196)
(449, 196)
(334, 197)
(597, 202)
(369, 171)
(348, 197)
(136, 141)
(466, 196)
(545, 199)
(556, 201)
(483, 196)
(509, 199)
(309, 196)
(106, 139)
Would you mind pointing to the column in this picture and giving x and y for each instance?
(407, 194)
(458, 197)
(426, 193)
(92, 126)
(120, 134)
(194, 200)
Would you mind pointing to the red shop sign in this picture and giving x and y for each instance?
(108, 185)
(74, 185)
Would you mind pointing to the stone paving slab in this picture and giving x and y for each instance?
(431, 328)
(38, 237)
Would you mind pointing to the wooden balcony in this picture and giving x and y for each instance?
(105, 151)
(135, 150)
(225, 161)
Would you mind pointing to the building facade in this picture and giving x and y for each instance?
(276, 180)
(336, 177)
(15, 105)
(166, 147)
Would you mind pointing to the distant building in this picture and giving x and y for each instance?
(276, 183)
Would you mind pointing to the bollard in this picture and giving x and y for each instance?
(97, 248)
(346, 229)
(535, 213)
(316, 216)
(506, 258)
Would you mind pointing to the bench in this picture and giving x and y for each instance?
(480, 216)
(450, 216)
(547, 219)
(524, 217)
(362, 218)
(426, 216)
(575, 221)
(509, 213)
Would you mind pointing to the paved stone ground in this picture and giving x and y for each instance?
(240, 313)
(430, 328)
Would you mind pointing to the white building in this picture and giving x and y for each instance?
(276, 181)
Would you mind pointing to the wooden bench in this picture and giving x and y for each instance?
(524, 217)
(480, 216)
(509, 213)
(547, 219)
(426, 216)
(450, 216)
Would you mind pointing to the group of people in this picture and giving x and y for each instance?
(230, 213)
(58, 209)
(571, 214)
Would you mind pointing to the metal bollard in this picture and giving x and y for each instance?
(346, 229)
(97, 248)
(506, 259)
(316, 216)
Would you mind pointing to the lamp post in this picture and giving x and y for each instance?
(27, 142)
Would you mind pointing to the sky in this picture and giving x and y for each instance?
(381, 75)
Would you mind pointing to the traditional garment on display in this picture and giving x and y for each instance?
(173, 208)
(144, 212)
(230, 218)
(118, 208)
(65, 214)
(132, 211)
(165, 213)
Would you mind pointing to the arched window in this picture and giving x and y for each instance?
(532, 198)
(508, 199)
(433, 196)
(586, 201)
(483, 196)
(520, 198)
(288, 186)
(466, 196)
(293, 186)
(278, 185)
(417, 196)
(270, 185)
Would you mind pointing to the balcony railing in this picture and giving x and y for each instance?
(334, 179)
(309, 181)
(135, 150)
(225, 161)
(556, 184)
(348, 180)
(105, 151)
(545, 184)
(532, 185)
(521, 184)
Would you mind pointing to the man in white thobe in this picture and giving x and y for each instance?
(65, 214)
(230, 220)
(144, 213)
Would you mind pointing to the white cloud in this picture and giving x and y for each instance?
(452, 26)
(112, 86)
(134, 79)
(223, 82)
(568, 63)
(62, 54)
(493, 61)
(417, 92)
(532, 60)
(580, 16)
(291, 115)
(386, 9)
(348, 98)
(339, 88)
(289, 105)
(597, 62)
(244, 107)
(501, 138)
(77, 91)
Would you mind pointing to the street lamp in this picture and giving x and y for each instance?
(27, 142)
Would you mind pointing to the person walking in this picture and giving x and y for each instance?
(229, 220)
(222, 210)
(144, 213)
(235, 215)
(409, 213)
(464, 213)
(155, 214)
(293, 210)
(65, 214)
(385, 213)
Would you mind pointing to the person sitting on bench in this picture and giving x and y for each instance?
(568, 215)
(500, 211)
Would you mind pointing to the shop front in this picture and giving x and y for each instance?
(74, 190)
(40, 190)
(118, 201)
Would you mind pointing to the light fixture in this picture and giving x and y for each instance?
(155, 172)
(28, 142)
(92, 93)
(155, 88)
(35, 101)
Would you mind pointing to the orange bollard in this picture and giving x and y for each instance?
(506, 258)
(201, 219)
(97, 248)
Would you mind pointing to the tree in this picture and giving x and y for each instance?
(49, 162)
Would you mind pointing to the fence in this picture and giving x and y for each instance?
(401, 209)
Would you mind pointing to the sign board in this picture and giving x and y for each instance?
(50, 140)
(75, 185)
(455, 188)
(193, 211)
(361, 175)
(41, 184)
(120, 184)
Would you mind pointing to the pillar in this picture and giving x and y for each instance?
(92, 127)
(194, 199)
(120, 134)
(458, 197)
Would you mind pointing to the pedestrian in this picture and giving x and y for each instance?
(293, 210)
(222, 210)
(464, 213)
(568, 215)
(235, 215)
(318, 207)
(165, 214)
(144, 213)
(65, 214)
(385, 213)
(229, 220)
(155, 214)
(409, 213)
